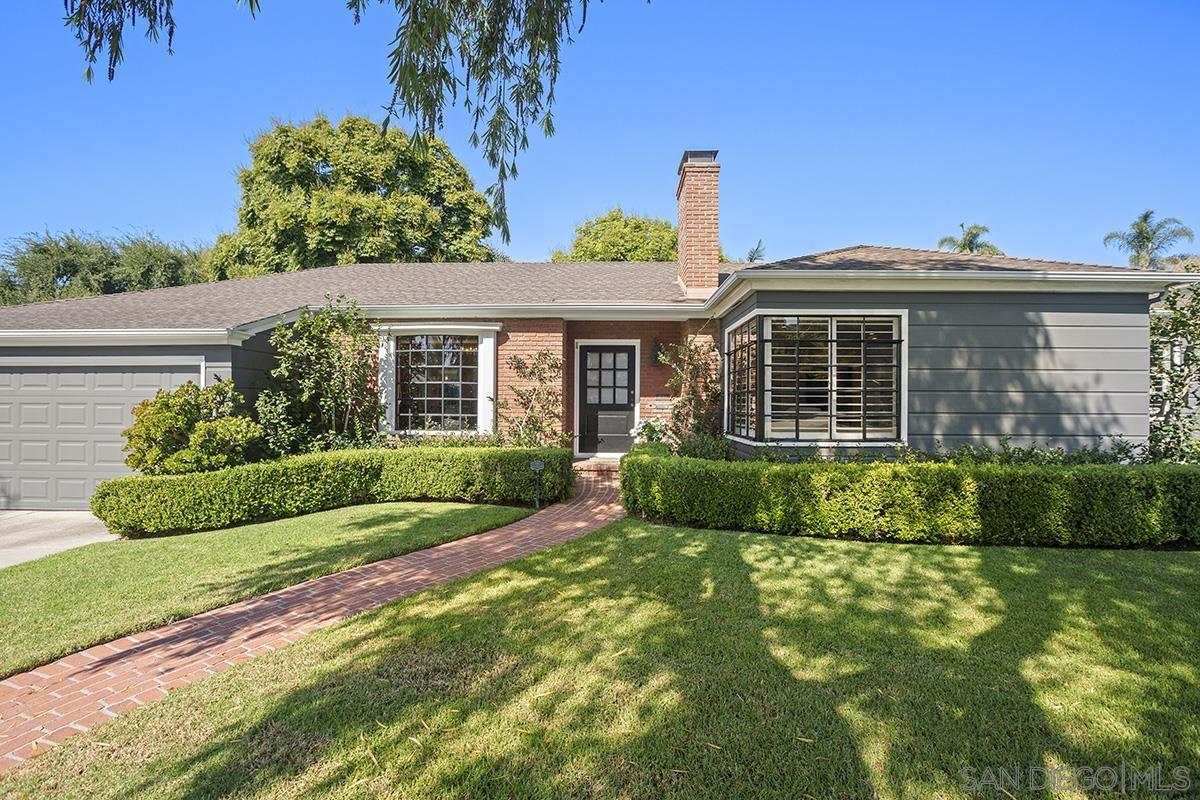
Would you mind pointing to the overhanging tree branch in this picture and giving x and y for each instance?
(500, 57)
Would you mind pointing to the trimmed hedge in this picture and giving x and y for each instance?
(144, 505)
(1088, 505)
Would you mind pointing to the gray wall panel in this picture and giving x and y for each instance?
(253, 360)
(1061, 369)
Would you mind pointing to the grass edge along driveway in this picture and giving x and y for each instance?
(59, 604)
(654, 661)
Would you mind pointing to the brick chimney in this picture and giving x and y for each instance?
(699, 248)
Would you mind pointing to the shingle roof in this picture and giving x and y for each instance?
(873, 257)
(227, 304)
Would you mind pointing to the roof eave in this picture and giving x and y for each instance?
(744, 281)
(66, 337)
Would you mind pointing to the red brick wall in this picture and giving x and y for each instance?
(655, 399)
(699, 248)
(525, 337)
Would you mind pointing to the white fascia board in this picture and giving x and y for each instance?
(437, 327)
(735, 288)
(384, 313)
(95, 337)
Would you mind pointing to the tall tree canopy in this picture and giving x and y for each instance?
(316, 195)
(1147, 240)
(617, 236)
(971, 241)
(500, 57)
(58, 266)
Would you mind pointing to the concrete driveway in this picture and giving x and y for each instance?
(26, 535)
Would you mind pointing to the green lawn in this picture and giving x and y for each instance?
(650, 661)
(66, 602)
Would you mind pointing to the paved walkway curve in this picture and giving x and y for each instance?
(42, 707)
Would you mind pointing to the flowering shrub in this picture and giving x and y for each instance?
(649, 431)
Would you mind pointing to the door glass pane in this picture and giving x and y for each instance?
(606, 360)
(622, 360)
(606, 397)
(623, 378)
(606, 378)
(621, 396)
(593, 396)
(593, 360)
(593, 377)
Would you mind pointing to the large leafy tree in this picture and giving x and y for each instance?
(318, 194)
(617, 236)
(971, 241)
(56, 266)
(1147, 240)
(501, 58)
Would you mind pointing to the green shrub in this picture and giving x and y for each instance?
(1086, 505)
(445, 440)
(704, 445)
(142, 505)
(190, 429)
(324, 392)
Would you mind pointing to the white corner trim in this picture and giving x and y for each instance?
(487, 391)
(637, 389)
(387, 380)
(902, 313)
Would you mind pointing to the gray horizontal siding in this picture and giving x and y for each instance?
(1002, 380)
(216, 357)
(1025, 402)
(1059, 369)
(966, 355)
(252, 362)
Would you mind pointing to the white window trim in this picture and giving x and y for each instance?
(902, 313)
(637, 388)
(486, 394)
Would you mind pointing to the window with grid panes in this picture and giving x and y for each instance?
(437, 382)
(824, 378)
(741, 365)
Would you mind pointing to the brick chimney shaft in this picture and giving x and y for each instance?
(699, 247)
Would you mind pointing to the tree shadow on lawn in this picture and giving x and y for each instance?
(370, 534)
(650, 661)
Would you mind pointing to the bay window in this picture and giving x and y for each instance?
(823, 378)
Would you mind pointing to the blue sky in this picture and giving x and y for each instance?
(838, 123)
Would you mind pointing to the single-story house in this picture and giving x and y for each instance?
(859, 347)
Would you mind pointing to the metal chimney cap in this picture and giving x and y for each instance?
(697, 157)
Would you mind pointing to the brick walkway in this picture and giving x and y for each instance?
(40, 708)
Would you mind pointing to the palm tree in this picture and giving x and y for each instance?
(757, 253)
(971, 241)
(1147, 239)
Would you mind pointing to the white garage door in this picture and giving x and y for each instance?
(60, 426)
